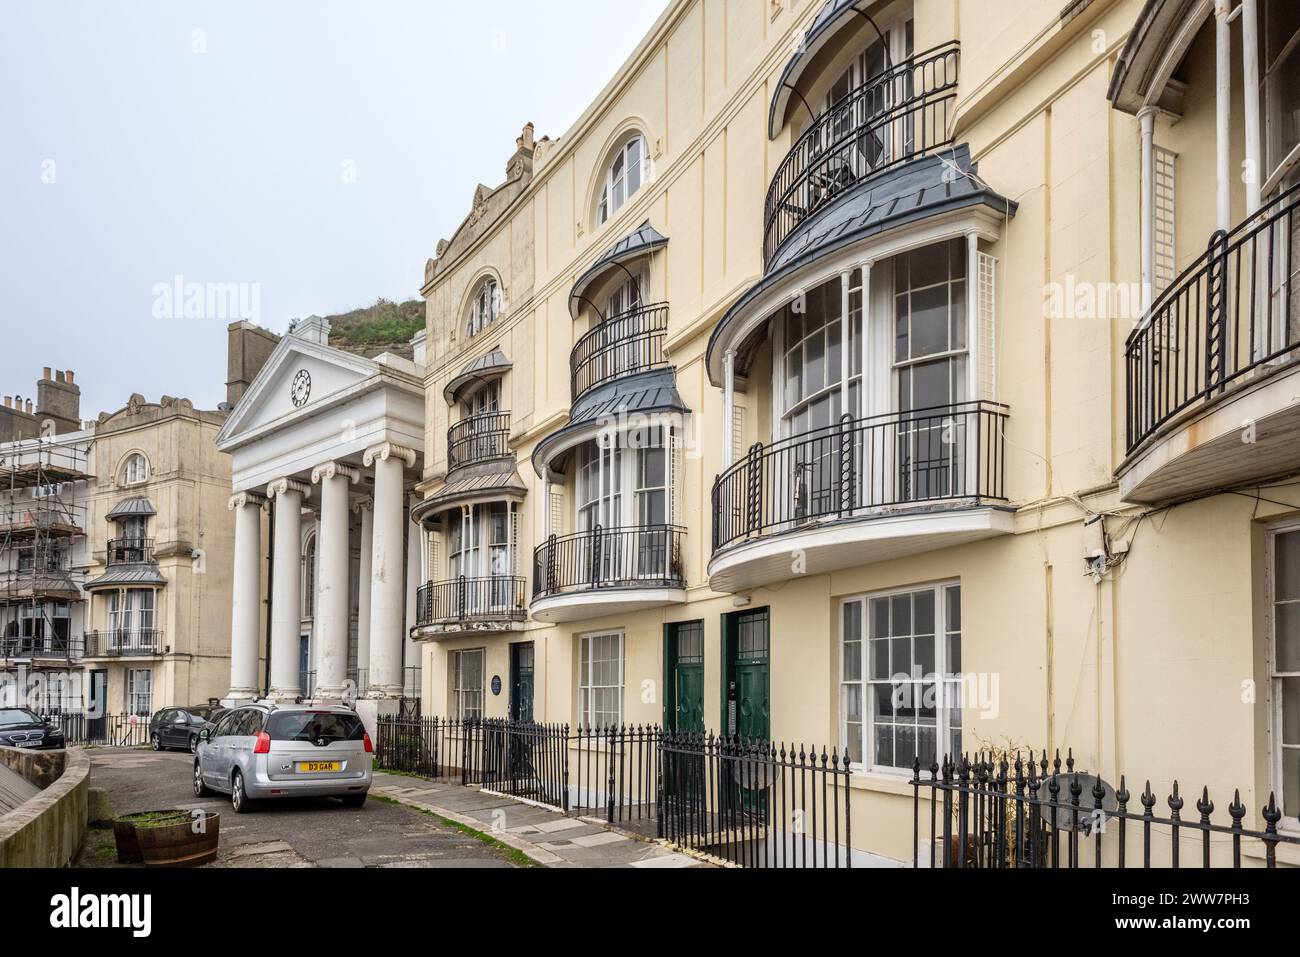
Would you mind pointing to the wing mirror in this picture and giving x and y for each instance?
(205, 734)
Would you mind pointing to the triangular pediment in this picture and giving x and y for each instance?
(299, 379)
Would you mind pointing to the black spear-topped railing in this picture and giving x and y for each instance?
(992, 812)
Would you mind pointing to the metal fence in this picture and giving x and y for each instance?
(619, 346)
(992, 812)
(520, 759)
(750, 803)
(616, 773)
(106, 730)
(756, 803)
(645, 556)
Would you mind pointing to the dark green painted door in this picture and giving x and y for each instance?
(685, 676)
(521, 681)
(747, 701)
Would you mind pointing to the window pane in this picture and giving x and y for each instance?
(930, 321)
(1286, 576)
(928, 265)
(1291, 713)
(1288, 637)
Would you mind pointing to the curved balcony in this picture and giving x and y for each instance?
(608, 571)
(862, 491)
(119, 643)
(898, 115)
(479, 438)
(1213, 370)
(470, 605)
(621, 345)
(129, 551)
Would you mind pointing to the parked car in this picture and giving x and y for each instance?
(265, 751)
(180, 727)
(22, 728)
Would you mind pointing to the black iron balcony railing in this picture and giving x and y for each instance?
(1233, 313)
(130, 551)
(479, 438)
(124, 643)
(621, 345)
(895, 116)
(51, 647)
(499, 598)
(860, 466)
(648, 556)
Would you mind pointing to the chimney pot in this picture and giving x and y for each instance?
(9, 402)
(47, 373)
(28, 407)
(58, 375)
(69, 375)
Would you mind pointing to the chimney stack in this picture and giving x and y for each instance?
(58, 398)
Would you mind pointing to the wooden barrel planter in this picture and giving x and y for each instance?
(167, 838)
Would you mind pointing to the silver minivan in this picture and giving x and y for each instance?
(264, 751)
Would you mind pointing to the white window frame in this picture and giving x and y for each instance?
(1275, 678)
(310, 553)
(944, 711)
(459, 690)
(1275, 164)
(484, 306)
(586, 685)
(616, 175)
(136, 469)
(134, 695)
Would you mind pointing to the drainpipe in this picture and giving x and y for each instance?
(846, 334)
(1223, 110)
(1147, 119)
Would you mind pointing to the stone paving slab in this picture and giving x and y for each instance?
(548, 837)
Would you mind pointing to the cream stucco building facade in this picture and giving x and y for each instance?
(838, 349)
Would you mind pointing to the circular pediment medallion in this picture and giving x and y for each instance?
(300, 390)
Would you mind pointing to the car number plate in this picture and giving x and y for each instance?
(29, 744)
(316, 767)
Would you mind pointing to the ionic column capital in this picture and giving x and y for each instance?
(284, 485)
(363, 504)
(241, 499)
(334, 470)
(390, 450)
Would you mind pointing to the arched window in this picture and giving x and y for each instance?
(626, 173)
(309, 579)
(136, 470)
(484, 307)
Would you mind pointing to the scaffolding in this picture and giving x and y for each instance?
(44, 496)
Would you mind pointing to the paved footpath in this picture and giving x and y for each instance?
(546, 836)
(389, 831)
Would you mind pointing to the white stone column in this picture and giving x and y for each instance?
(1250, 77)
(333, 605)
(414, 570)
(286, 586)
(868, 377)
(387, 569)
(1147, 132)
(1223, 112)
(366, 507)
(246, 596)
(728, 408)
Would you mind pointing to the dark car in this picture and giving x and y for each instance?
(180, 727)
(21, 728)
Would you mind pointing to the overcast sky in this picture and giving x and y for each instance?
(318, 149)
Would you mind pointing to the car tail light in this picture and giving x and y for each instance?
(370, 748)
(263, 745)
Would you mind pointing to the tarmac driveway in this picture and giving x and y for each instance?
(295, 833)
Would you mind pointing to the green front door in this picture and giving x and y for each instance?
(746, 702)
(521, 681)
(684, 676)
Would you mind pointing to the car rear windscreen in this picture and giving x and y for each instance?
(310, 726)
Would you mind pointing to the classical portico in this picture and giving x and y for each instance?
(329, 444)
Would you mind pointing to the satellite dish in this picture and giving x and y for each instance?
(1065, 813)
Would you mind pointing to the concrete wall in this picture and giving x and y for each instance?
(48, 830)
